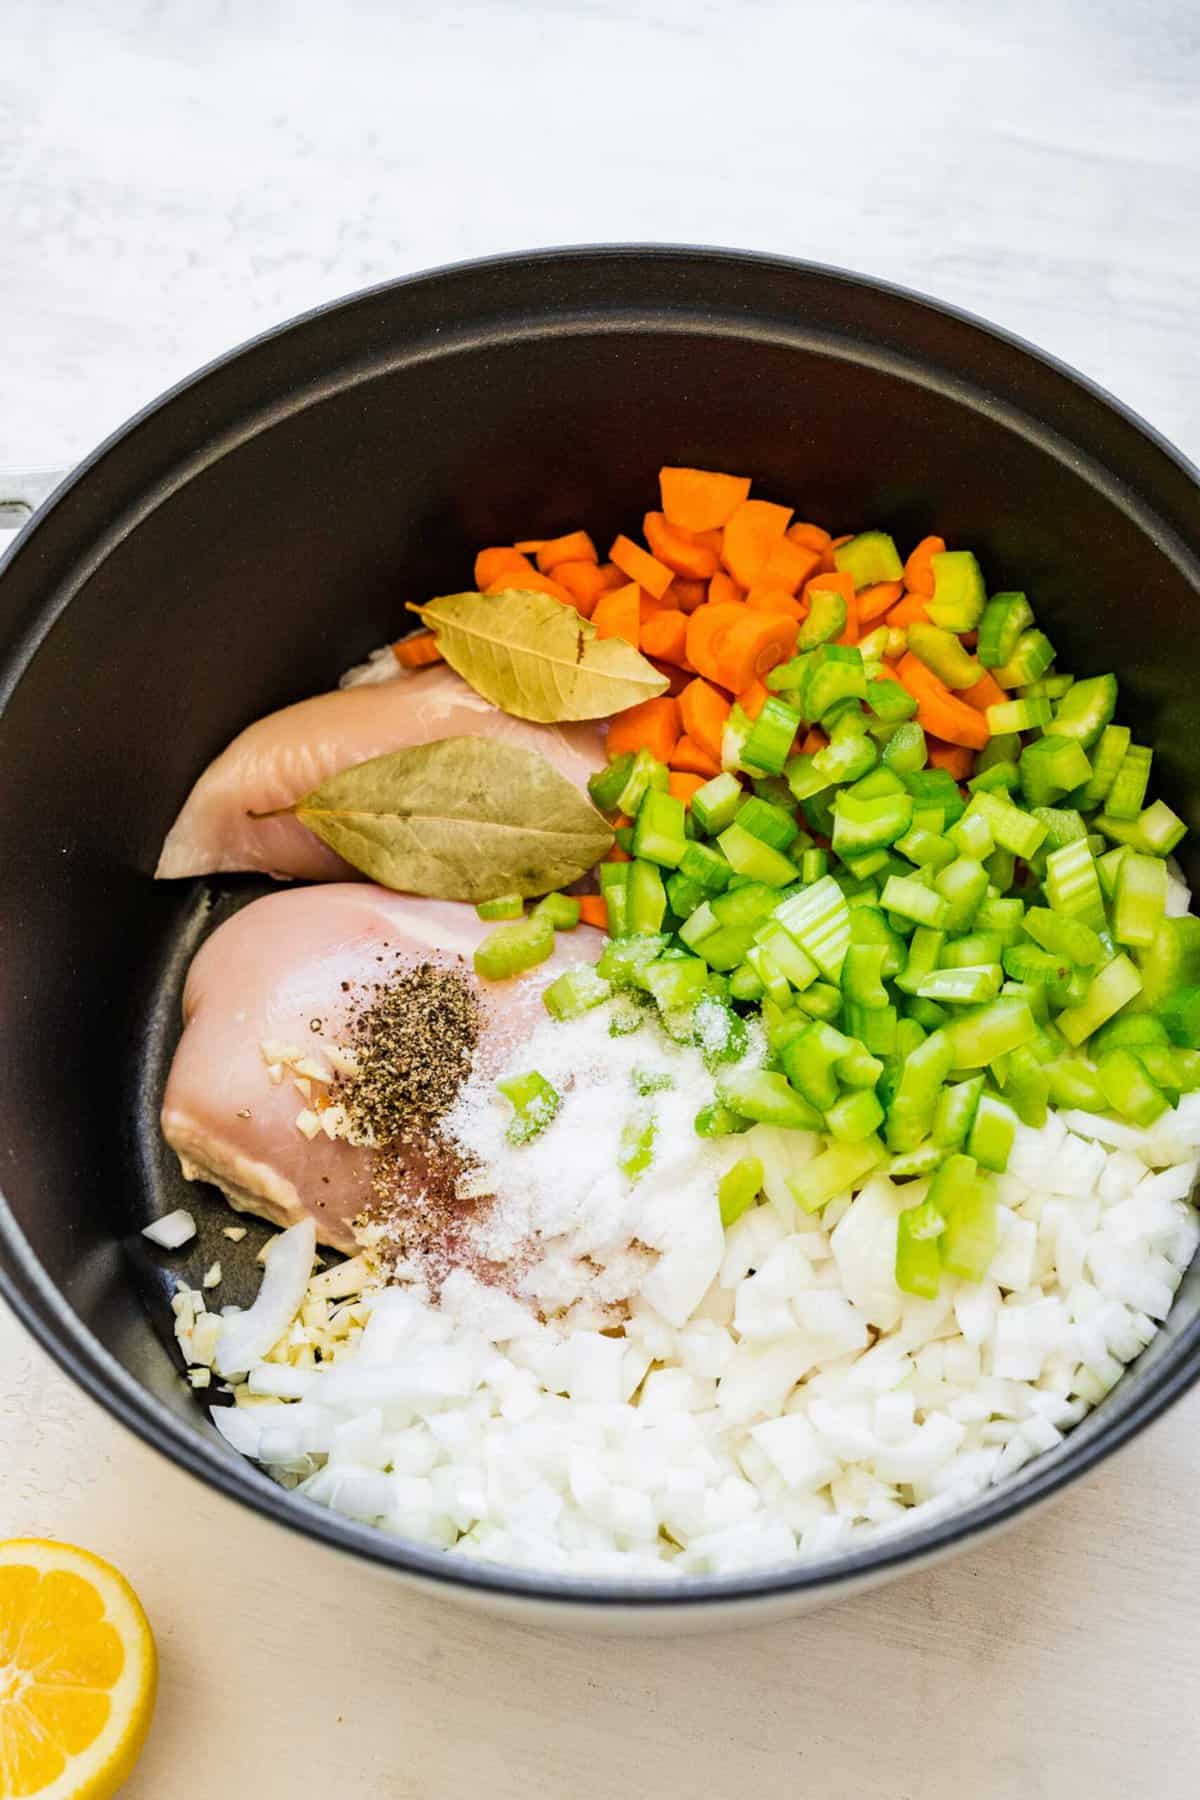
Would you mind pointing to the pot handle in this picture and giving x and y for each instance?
(22, 494)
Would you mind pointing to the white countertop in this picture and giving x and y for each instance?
(176, 176)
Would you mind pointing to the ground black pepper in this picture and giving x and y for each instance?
(413, 1037)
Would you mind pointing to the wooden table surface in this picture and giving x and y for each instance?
(174, 176)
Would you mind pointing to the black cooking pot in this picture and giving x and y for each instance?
(246, 537)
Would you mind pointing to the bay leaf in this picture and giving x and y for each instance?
(535, 658)
(464, 818)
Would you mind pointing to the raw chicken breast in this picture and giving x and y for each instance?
(287, 754)
(264, 976)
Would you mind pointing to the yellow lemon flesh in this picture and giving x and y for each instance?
(78, 1674)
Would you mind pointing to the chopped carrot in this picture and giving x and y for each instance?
(693, 757)
(641, 567)
(836, 543)
(751, 533)
(723, 590)
(679, 549)
(576, 546)
(500, 560)
(705, 628)
(585, 583)
(918, 570)
(814, 741)
(704, 712)
(616, 854)
(986, 692)
(529, 546)
(650, 725)
(789, 565)
(753, 644)
(531, 583)
(686, 595)
(612, 577)
(618, 614)
(939, 711)
(665, 635)
(956, 759)
(593, 910)
(763, 598)
(417, 651)
(754, 699)
(877, 599)
(839, 581)
(907, 611)
(700, 499)
(811, 537)
(683, 784)
(649, 607)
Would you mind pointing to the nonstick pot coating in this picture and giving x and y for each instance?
(244, 539)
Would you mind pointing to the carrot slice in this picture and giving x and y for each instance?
(877, 599)
(665, 635)
(939, 711)
(789, 565)
(700, 499)
(956, 759)
(704, 712)
(683, 784)
(677, 676)
(706, 627)
(751, 533)
(417, 651)
(686, 595)
(811, 537)
(501, 559)
(837, 581)
(918, 570)
(908, 611)
(616, 854)
(814, 741)
(723, 590)
(650, 725)
(529, 546)
(529, 583)
(576, 546)
(679, 549)
(619, 614)
(754, 699)
(593, 910)
(986, 692)
(641, 567)
(763, 598)
(585, 583)
(836, 543)
(753, 644)
(690, 755)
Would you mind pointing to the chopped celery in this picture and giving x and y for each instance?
(607, 786)
(511, 949)
(1018, 715)
(1050, 767)
(870, 557)
(1106, 759)
(793, 962)
(716, 1120)
(674, 982)
(978, 1038)
(621, 961)
(1127, 794)
(992, 1133)
(1085, 709)
(1031, 658)
(1010, 827)
(962, 886)
(955, 1113)
(646, 772)
(705, 866)
(1064, 937)
(749, 855)
(855, 1116)
(1111, 989)
(715, 804)
(962, 986)
(819, 920)
(826, 619)
(769, 740)
(924, 952)
(562, 910)
(504, 906)
(910, 899)
(943, 652)
(918, 1259)
(651, 1081)
(534, 1102)
(771, 823)
(739, 1188)
(1005, 617)
(1073, 886)
(574, 992)
(765, 1097)
(958, 591)
(968, 1243)
(646, 897)
(889, 701)
(834, 1172)
(1141, 899)
(914, 1103)
(1127, 1087)
(637, 1144)
(658, 833)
